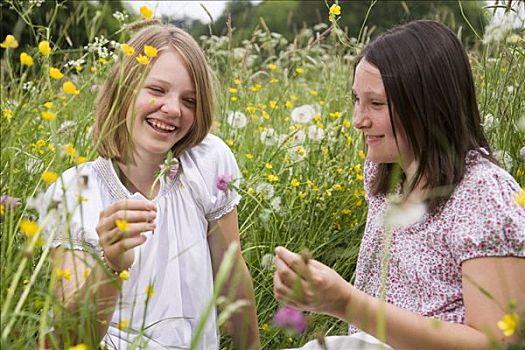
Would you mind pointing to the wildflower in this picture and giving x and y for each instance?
(48, 104)
(272, 178)
(123, 324)
(272, 66)
(150, 51)
(102, 61)
(288, 317)
(48, 116)
(80, 346)
(149, 291)
(522, 152)
(223, 182)
(81, 160)
(335, 10)
(269, 137)
(265, 327)
(274, 81)
(29, 228)
(146, 12)
(234, 98)
(70, 88)
(25, 59)
(301, 195)
(237, 119)
(9, 42)
(256, 87)
(229, 142)
(8, 203)
(268, 261)
(304, 114)
(124, 275)
(65, 274)
(273, 104)
(122, 225)
(288, 104)
(294, 182)
(297, 153)
(237, 81)
(44, 48)
(49, 176)
(233, 90)
(276, 204)
(86, 273)
(268, 166)
(508, 324)
(142, 59)
(313, 92)
(7, 113)
(520, 198)
(127, 50)
(69, 150)
(265, 189)
(346, 123)
(315, 133)
(249, 156)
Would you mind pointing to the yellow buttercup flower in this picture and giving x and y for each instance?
(69, 150)
(272, 66)
(123, 324)
(44, 48)
(7, 113)
(142, 59)
(25, 59)
(299, 70)
(124, 275)
(48, 116)
(48, 104)
(508, 324)
(520, 198)
(127, 50)
(294, 182)
(29, 228)
(237, 81)
(146, 12)
(249, 156)
(232, 90)
(55, 73)
(70, 88)
(49, 176)
(149, 290)
(65, 274)
(272, 178)
(80, 346)
(150, 51)
(9, 42)
(81, 160)
(335, 10)
(122, 225)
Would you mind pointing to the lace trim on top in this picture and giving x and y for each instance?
(217, 214)
(105, 170)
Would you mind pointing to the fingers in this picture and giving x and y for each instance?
(293, 261)
(128, 204)
(126, 244)
(289, 286)
(133, 230)
(132, 211)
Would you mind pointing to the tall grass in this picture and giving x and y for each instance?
(299, 190)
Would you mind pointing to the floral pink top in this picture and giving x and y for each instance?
(424, 273)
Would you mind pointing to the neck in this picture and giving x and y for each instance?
(140, 177)
(418, 192)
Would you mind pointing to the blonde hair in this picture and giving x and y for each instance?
(111, 135)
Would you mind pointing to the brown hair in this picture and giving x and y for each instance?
(111, 135)
(430, 91)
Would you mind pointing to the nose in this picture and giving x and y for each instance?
(360, 119)
(171, 107)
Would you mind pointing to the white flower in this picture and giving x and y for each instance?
(404, 214)
(510, 89)
(265, 189)
(305, 113)
(66, 126)
(488, 121)
(522, 152)
(276, 204)
(297, 153)
(504, 157)
(521, 123)
(315, 133)
(298, 137)
(237, 119)
(268, 261)
(499, 28)
(269, 137)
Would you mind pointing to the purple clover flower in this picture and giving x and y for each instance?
(288, 317)
(223, 181)
(8, 202)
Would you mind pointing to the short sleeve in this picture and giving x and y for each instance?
(69, 210)
(488, 221)
(213, 175)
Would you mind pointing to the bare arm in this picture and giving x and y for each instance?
(326, 292)
(221, 233)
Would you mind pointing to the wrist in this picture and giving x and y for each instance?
(109, 267)
(344, 302)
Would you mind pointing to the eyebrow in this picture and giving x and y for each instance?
(162, 81)
(370, 92)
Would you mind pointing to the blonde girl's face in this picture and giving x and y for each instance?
(164, 109)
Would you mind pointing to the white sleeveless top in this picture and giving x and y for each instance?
(175, 260)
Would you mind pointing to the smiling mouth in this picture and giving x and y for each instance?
(160, 126)
(372, 138)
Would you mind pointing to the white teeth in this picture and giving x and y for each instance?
(161, 125)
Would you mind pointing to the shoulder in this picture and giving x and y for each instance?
(209, 155)
(209, 147)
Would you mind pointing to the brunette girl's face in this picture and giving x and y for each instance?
(371, 116)
(164, 109)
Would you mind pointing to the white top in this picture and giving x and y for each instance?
(175, 260)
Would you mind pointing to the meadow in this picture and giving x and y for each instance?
(285, 110)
